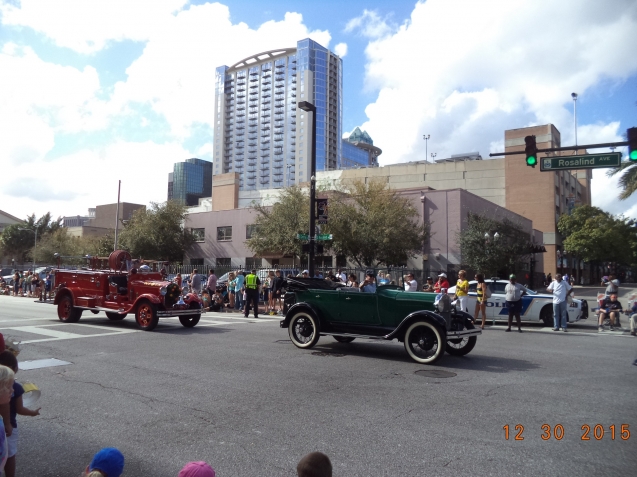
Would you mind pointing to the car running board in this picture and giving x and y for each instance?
(163, 314)
(450, 335)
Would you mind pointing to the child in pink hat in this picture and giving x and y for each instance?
(197, 469)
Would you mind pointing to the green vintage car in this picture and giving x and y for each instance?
(315, 308)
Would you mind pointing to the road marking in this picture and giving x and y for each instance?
(42, 363)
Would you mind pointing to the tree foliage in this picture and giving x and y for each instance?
(597, 236)
(277, 226)
(69, 247)
(19, 243)
(157, 232)
(373, 225)
(490, 256)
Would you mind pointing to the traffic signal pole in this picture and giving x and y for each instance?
(567, 148)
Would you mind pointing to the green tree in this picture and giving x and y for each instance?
(19, 243)
(373, 225)
(627, 180)
(594, 235)
(157, 232)
(492, 256)
(278, 225)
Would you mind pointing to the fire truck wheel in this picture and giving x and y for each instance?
(191, 320)
(115, 316)
(67, 313)
(146, 316)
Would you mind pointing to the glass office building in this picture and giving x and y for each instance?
(259, 131)
(191, 181)
(359, 151)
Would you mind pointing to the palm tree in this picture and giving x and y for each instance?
(628, 179)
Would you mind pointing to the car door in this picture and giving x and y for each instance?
(326, 301)
(357, 307)
(496, 305)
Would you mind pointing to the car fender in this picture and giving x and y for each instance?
(300, 306)
(468, 319)
(154, 299)
(423, 315)
(190, 297)
(62, 292)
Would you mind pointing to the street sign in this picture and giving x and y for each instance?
(323, 236)
(588, 161)
(303, 236)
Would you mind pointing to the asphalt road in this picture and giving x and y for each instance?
(239, 395)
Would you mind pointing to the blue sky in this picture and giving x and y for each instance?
(93, 91)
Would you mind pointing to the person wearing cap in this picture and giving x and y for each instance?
(514, 292)
(197, 469)
(560, 289)
(369, 284)
(441, 283)
(252, 284)
(109, 462)
(429, 286)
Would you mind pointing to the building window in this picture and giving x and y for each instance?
(251, 230)
(223, 262)
(224, 234)
(253, 263)
(196, 261)
(199, 234)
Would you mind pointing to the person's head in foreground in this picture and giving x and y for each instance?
(197, 469)
(315, 464)
(7, 376)
(109, 462)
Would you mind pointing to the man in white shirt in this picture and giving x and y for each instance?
(410, 283)
(514, 292)
(560, 289)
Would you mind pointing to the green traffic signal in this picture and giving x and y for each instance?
(531, 151)
(531, 161)
(631, 133)
(633, 155)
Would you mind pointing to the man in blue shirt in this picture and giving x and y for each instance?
(238, 302)
(369, 284)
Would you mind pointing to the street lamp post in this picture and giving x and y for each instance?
(574, 96)
(35, 243)
(426, 138)
(310, 108)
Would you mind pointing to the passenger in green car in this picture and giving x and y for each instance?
(369, 284)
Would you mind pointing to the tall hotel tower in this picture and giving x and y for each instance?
(259, 131)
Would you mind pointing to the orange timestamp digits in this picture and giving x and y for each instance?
(557, 432)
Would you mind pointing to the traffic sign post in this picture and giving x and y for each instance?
(587, 161)
(303, 236)
(323, 236)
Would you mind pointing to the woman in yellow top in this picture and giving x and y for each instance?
(462, 289)
(481, 302)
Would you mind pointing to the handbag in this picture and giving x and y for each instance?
(487, 292)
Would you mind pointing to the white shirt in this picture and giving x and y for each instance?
(411, 285)
(343, 277)
(559, 289)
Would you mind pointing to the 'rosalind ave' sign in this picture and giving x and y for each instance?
(588, 161)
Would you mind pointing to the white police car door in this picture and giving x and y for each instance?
(497, 302)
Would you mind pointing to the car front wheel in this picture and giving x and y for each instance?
(423, 342)
(462, 346)
(146, 316)
(546, 315)
(303, 330)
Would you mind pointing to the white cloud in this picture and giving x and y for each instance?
(370, 25)
(87, 26)
(465, 71)
(340, 49)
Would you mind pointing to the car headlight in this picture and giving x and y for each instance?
(163, 291)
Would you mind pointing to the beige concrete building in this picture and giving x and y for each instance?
(103, 220)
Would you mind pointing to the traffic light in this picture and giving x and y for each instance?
(531, 151)
(632, 144)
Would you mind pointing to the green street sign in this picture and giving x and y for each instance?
(323, 236)
(303, 236)
(588, 161)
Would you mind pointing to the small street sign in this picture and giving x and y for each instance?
(303, 236)
(587, 161)
(323, 236)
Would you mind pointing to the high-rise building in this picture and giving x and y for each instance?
(170, 186)
(259, 130)
(191, 181)
(359, 151)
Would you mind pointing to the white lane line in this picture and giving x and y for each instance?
(42, 363)
(45, 332)
(79, 336)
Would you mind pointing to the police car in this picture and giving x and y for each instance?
(535, 306)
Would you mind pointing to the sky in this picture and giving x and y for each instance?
(96, 91)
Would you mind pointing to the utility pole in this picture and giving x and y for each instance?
(119, 187)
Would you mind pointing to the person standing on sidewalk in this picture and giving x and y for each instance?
(462, 290)
(633, 318)
(560, 289)
(252, 284)
(514, 292)
(212, 283)
(238, 290)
